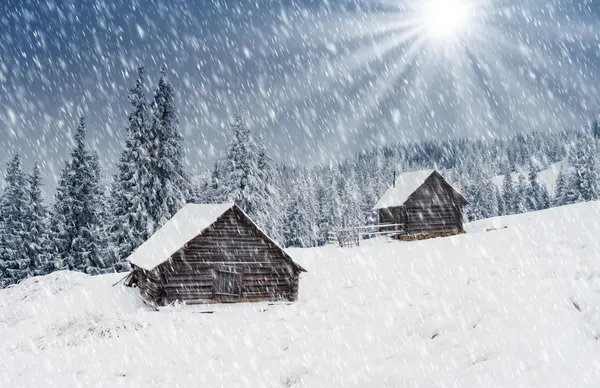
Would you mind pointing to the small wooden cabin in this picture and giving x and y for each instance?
(422, 202)
(213, 253)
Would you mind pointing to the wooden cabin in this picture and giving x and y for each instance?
(422, 202)
(209, 254)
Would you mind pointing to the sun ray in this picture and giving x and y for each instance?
(384, 84)
(482, 65)
(320, 79)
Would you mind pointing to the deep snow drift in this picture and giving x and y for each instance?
(509, 307)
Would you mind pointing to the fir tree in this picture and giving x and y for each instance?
(521, 191)
(267, 211)
(37, 238)
(216, 189)
(330, 208)
(295, 229)
(172, 184)
(351, 201)
(135, 184)
(582, 177)
(560, 189)
(501, 205)
(14, 263)
(240, 169)
(544, 201)
(508, 195)
(76, 222)
(534, 190)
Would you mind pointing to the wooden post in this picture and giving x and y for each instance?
(394, 183)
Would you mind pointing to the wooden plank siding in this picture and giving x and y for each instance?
(434, 207)
(232, 244)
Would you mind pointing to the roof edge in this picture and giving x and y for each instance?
(230, 205)
(298, 266)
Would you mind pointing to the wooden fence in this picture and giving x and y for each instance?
(350, 237)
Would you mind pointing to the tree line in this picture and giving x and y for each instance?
(92, 227)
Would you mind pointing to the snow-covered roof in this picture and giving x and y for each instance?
(406, 184)
(186, 224)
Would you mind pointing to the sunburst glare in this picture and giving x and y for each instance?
(446, 20)
(447, 67)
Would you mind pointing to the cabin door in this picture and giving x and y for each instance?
(227, 284)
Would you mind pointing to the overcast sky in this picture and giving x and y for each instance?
(319, 81)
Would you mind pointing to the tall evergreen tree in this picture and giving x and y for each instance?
(544, 200)
(14, 263)
(76, 222)
(300, 227)
(501, 205)
(135, 184)
(534, 190)
(240, 169)
(521, 191)
(508, 195)
(268, 204)
(330, 207)
(560, 189)
(37, 238)
(216, 191)
(582, 171)
(351, 200)
(166, 155)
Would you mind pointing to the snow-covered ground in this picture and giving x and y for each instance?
(508, 307)
(547, 177)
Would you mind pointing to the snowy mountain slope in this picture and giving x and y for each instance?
(510, 307)
(547, 177)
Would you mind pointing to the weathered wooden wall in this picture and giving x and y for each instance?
(233, 245)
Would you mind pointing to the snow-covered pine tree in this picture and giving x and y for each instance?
(216, 190)
(76, 222)
(173, 187)
(37, 237)
(520, 197)
(247, 177)
(330, 207)
(100, 247)
(135, 184)
(589, 169)
(481, 193)
(534, 190)
(296, 223)
(268, 204)
(239, 168)
(491, 198)
(14, 263)
(560, 189)
(582, 171)
(350, 200)
(508, 194)
(501, 205)
(544, 200)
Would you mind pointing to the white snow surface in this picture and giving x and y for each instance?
(186, 224)
(513, 303)
(547, 177)
(406, 184)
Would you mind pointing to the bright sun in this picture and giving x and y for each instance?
(444, 20)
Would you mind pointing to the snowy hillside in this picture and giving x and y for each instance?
(547, 177)
(510, 307)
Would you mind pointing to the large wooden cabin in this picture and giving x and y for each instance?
(422, 202)
(213, 253)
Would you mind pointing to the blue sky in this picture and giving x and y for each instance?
(320, 81)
